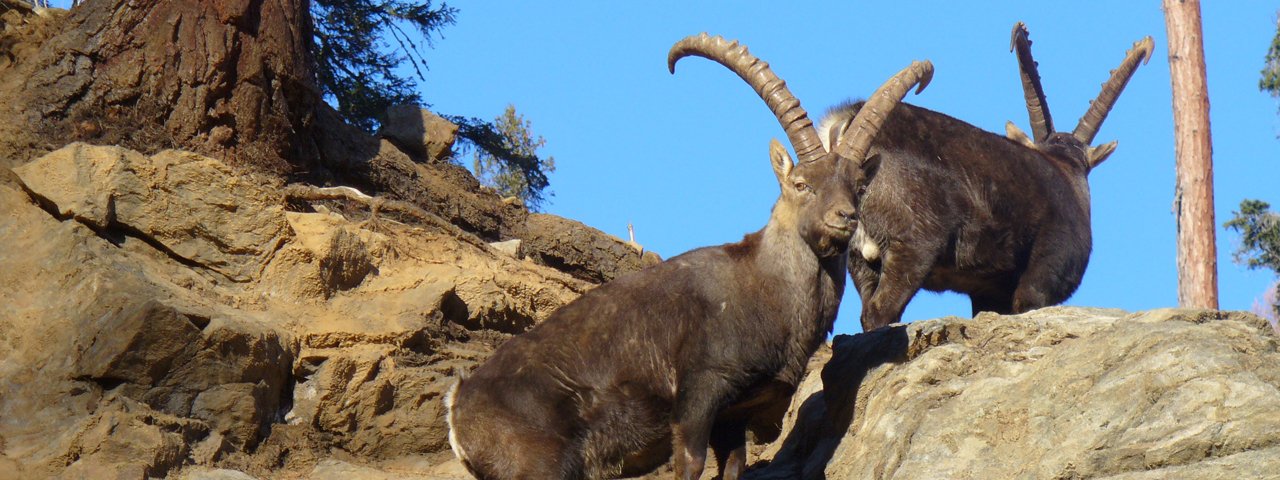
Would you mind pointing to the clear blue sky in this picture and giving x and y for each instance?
(684, 157)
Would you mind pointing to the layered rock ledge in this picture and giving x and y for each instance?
(167, 315)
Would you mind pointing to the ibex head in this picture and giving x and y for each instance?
(815, 198)
(1077, 144)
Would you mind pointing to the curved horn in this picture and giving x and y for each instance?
(873, 113)
(1100, 107)
(1037, 106)
(794, 120)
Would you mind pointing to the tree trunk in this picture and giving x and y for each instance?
(234, 80)
(1193, 196)
(230, 79)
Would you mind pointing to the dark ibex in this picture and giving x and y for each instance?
(952, 207)
(687, 353)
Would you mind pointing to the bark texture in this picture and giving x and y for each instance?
(231, 79)
(1193, 195)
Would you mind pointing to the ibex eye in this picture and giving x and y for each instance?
(803, 187)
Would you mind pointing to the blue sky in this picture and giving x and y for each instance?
(684, 156)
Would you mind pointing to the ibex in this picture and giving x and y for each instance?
(684, 354)
(952, 207)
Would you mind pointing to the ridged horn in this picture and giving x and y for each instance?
(857, 139)
(1100, 107)
(1037, 105)
(734, 56)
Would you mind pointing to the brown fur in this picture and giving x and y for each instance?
(687, 354)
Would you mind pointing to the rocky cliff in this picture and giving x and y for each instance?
(168, 316)
(164, 310)
(1055, 393)
(192, 313)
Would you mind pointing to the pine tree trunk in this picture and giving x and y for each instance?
(1193, 197)
(234, 80)
(228, 78)
(231, 79)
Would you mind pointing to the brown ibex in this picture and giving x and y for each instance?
(684, 354)
(952, 207)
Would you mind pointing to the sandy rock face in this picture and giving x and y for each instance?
(194, 207)
(167, 316)
(165, 312)
(1056, 393)
(570, 246)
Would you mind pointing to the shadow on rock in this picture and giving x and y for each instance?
(825, 417)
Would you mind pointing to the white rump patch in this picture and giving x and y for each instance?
(448, 420)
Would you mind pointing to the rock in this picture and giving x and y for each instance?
(330, 256)
(237, 411)
(452, 193)
(137, 346)
(79, 180)
(509, 247)
(377, 399)
(378, 167)
(339, 469)
(344, 263)
(582, 251)
(1056, 393)
(419, 131)
(193, 207)
(127, 440)
(201, 473)
(187, 322)
(351, 334)
(233, 376)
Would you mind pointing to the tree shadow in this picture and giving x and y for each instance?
(824, 418)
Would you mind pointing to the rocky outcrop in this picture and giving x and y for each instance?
(165, 311)
(1055, 393)
(192, 207)
(236, 84)
(418, 131)
(168, 314)
(580, 250)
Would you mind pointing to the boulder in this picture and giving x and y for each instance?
(418, 131)
(582, 251)
(1055, 393)
(138, 346)
(127, 440)
(193, 208)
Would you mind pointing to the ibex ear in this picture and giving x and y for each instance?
(1101, 152)
(1016, 134)
(835, 132)
(781, 160)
